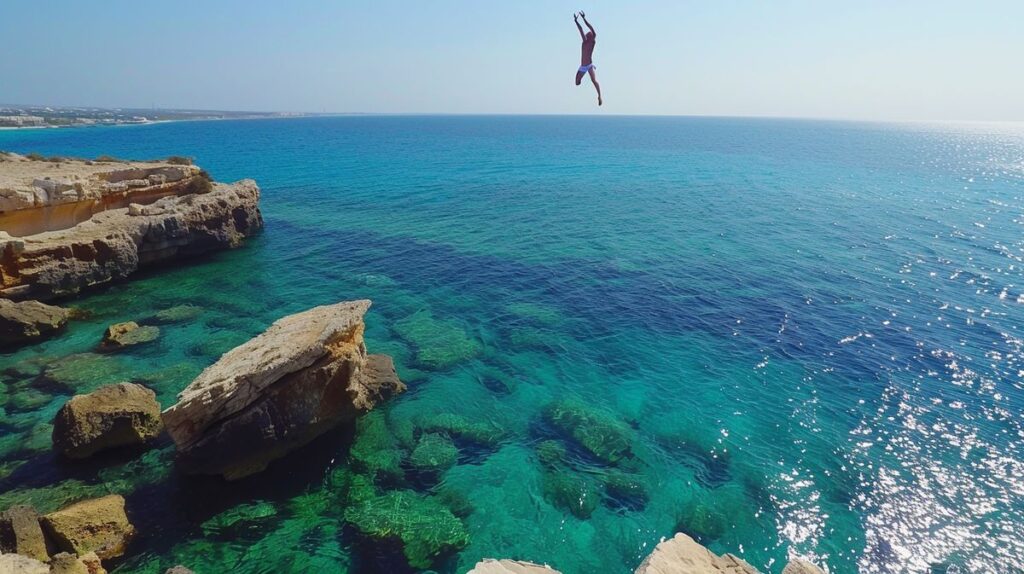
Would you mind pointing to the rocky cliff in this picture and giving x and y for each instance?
(116, 221)
(305, 374)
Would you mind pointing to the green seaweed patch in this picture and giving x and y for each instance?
(55, 496)
(496, 380)
(551, 453)
(598, 432)
(439, 343)
(434, 452)
(152, 467)
(177, 314)
(570, 491)
(86, 372)
(27, 399)
(483, 434)
(243, 513)
(425, 527)
(625, 489)
(535, 312)
(375, 450)
(529, 338)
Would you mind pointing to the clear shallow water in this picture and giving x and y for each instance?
(808, 332)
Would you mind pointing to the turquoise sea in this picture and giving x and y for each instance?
(782, 337)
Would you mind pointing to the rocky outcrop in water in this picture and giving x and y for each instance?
(275, 393)
(99, 525)
(128, 334)
(29, 321)
(111, 235)
(678, 555)
(489, 566)
(112, 416)
(682, 555)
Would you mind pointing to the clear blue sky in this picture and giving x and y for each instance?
(872, 59)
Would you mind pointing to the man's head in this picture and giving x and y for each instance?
(590, 35)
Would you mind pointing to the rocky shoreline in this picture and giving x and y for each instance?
(72, 225)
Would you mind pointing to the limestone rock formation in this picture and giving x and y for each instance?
(127, 334)
(60, 256)
(800, 566)
(43, 196)
(98, 525)
(115, 415)
(20, 533)
(683, 555)
(18, 564)
(489, 566)
(29, 321)
(280, 390)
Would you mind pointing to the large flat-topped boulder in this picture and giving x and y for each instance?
(28, 321)
(304, 375)
(38, 196)
(113, 244)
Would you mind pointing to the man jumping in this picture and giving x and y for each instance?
(587, 55)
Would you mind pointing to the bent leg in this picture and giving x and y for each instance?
(579, 77)
(597, 86)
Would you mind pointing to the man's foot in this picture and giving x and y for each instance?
(600, 101)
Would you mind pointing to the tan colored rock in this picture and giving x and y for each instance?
(113, 244)
(29, 321)
(65, 563)
(125, 414)
(18, 564)
(683, 555)
(98, 525)
(20, 533)
(801, 566)
(489, 566)
(179, 570)
(127, 334)
(280, 390)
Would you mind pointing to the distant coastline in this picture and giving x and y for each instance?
(15, 117)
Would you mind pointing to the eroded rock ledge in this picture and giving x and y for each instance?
(275, 393)
(102, 222)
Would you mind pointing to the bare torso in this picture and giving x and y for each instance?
(587, 54)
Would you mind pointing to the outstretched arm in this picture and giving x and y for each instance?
(587, 23)
(576, 18)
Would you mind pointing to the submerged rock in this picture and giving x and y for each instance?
(178, 314)
(280, 390)
(29, 321)
(20, 533)
(596, 431)
(128, 334)
(800, 566)
(683, 555)
(425, 528)
(490, 566)
(434, 452)
(112, 416)
(85, 372)
(439, 344)
(99, 525)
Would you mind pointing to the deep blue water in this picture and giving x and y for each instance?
(808, 329)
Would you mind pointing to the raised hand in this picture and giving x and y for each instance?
(583, 15)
